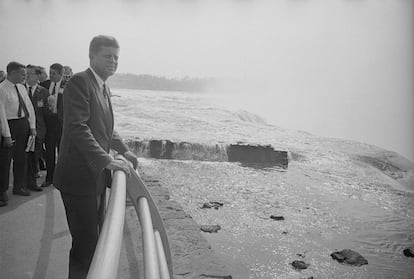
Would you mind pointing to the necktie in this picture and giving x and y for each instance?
(106, 94)
(22, 105)
(54, 89)
(30, 93)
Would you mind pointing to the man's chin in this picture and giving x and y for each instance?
(110, 72)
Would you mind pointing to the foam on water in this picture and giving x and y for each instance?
(330, 198)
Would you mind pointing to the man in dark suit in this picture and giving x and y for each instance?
(83, 170)
(53, 125)
(38, 95)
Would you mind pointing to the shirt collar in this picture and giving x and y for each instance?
(33, 86)
(8, 83)
(57, 83)
(98, 79)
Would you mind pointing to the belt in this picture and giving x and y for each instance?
(17, 119)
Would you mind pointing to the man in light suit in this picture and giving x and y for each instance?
(83, 170)
(53, 125)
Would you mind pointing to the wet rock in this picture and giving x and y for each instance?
(257, 154)
(300, 255)
(212, 204)
(210, 228)
(216, 276)
(300, 265)
(277, 218)
(350, 257)
(409, 252)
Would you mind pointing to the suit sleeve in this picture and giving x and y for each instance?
(44, 96)
(77, 111)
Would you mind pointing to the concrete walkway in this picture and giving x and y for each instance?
(34, 237)
(35, 240)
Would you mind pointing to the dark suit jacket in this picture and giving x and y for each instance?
(88, 135)
(39, 101)
(46, 84)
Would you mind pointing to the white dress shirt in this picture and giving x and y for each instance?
(10, 101)
(99, 80)
(52, 99)
(33, 89)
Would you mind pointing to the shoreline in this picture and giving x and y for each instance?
(193, 256)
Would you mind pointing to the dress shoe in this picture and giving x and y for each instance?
(4, 197)
(46, 183)
(35, 188)
(21, 192)
(3, 203)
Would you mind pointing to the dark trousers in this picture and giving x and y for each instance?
(85, 217)
(33, 162)
(19, 129)
(52, 141)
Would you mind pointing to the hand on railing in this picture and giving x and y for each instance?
(119, 164)
(132, 158)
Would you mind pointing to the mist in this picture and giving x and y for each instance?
(333, 68)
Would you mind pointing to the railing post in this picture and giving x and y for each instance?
(106, 258)
(151, 270)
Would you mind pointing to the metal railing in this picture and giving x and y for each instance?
(156, 250)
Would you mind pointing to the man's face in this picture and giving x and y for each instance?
(31, 76)
(55, 76)
(105, 61)
(2, 76)
(18, 76)
(43, 75)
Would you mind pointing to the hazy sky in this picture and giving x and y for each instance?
(341, 61)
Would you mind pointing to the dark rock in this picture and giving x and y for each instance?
(210, 228)
(213, 204)
(301, 255)
(257, 154)
(277, 218)
(161, 149)
(409, 252)
(217, 276)
(350, 257)
(300, 264)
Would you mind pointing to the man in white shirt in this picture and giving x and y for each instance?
(22, 122)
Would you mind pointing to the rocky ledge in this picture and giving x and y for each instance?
(193, 256)
(237, 152)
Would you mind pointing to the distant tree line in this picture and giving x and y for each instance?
(150, 82)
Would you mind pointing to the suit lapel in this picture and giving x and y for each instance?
(107, 111)
(110, 109)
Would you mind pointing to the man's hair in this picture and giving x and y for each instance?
(57, 67)
(102, 41)
(35, 68)
(13, 66)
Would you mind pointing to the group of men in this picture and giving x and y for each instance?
(31, 118)
(84, 164)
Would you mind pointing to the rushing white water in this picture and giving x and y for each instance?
(329, 198)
